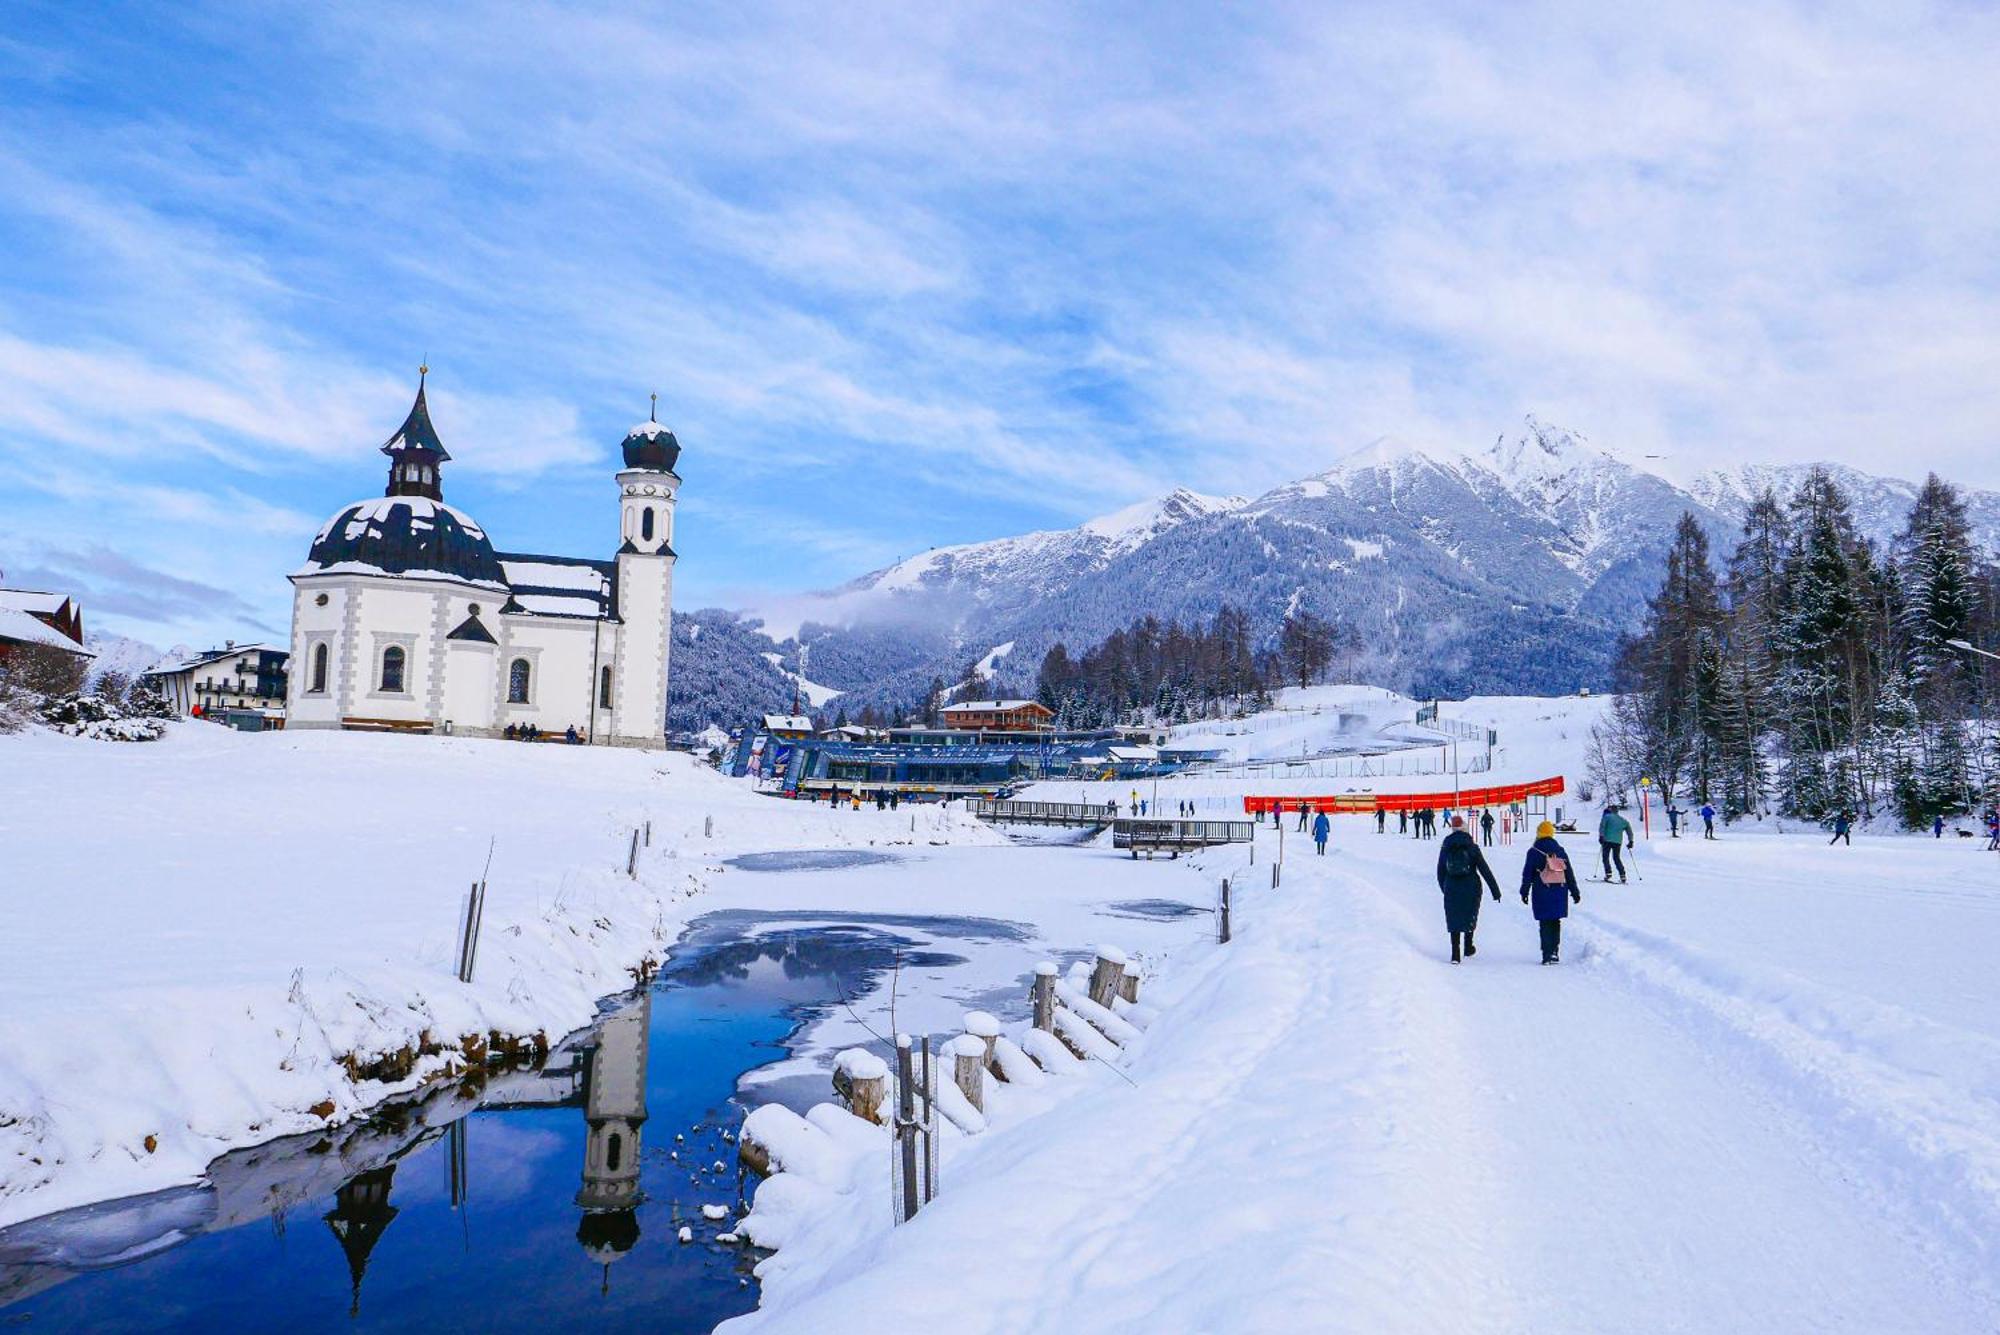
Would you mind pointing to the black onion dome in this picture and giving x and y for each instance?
(650, 445)
(406, 535)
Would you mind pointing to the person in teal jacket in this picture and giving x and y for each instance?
(1612, 832)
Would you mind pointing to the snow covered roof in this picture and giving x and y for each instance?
(990, 706)
(560, 586)
(207, 656)
(404, 535)
(787, 723)
(33, 600)
(17, 627)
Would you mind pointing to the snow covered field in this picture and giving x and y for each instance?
(1762, 1090)
(196, 929)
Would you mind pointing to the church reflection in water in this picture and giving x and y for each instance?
(605, 1074)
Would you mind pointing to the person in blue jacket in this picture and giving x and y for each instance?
(1841, 825)
(1548, 883)
(1707, 821)
(1321, 827)
(1937, 827)
(1461, 867)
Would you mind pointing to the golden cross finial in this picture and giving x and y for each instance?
(654, 415)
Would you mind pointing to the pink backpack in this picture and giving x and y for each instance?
(1555, 870)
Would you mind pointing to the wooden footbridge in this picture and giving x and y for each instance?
(1077, 815)
(1171, 836)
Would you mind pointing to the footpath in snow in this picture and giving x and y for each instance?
(1761, 1092)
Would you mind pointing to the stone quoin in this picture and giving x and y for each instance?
(406, 618)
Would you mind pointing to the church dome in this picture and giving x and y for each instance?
(650, 445)
(405, 535)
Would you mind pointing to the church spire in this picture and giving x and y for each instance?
(415, 452)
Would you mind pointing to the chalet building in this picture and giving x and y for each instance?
(788, 727)
(405, 617)
(52, 620)
(998, 715)
(240, 684)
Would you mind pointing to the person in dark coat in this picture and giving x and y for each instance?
(1841, 825)
(1402, 820)
(1321, 828)
(1548, 883)
(1381, 820)
(1486, 828)
(1461, 867)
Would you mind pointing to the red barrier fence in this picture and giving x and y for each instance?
(1367, 803)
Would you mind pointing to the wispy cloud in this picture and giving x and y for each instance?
(911, 276)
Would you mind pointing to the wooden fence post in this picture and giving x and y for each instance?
(1045, 997)
(649, 833)
(906, 1124)
(968, 1056)
(1128, 983)
(632, 858)
(1224, 935)
(862, 1080)
(708, 827)
(985, 1028)
(1104, 978)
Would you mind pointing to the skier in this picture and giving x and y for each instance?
(1460, 869)
(1381, 821)
(1402, 821)
(1707, 821)
(1546, 874)
(1841, 825)
(1937, 827)
(1992, 831)
(1612, 831)
(1486, 828)
(1302, 816)
(1321, 827)
(1673, 821)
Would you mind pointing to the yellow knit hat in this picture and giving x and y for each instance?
(1546, 830)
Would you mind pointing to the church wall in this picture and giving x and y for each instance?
(557, 651)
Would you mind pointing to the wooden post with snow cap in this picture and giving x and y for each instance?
(862, 1080)
(1104, 978)
(1045, 997)
(1128, 983)
(986, 1028)
(968, 1069)
(906, 1128)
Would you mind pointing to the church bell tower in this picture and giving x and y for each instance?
(646, 491)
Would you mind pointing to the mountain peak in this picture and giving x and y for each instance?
(1387, 452)
(1138, 522)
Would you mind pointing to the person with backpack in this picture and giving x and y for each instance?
(1707, 821)
(1613, 830)
(1460, 869)
(1321, 828)
(1842, 823)
(1548, 885)
(1486, 828)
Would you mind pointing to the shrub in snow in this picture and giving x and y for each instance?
(105, 720)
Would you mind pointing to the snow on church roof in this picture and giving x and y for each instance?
(404, 535)
(560, 586)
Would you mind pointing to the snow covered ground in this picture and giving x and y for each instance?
(1761, 1092)
(196, 929)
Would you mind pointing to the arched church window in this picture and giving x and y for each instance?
(614, 1152)
(646, 524)
(319, 670)
(517, 682)
(604, 687)
(427, 472)
(392, 669)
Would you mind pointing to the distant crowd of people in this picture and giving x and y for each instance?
(530, 732)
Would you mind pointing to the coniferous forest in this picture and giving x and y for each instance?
(1815, 674)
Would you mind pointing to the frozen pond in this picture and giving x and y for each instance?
(811, 859)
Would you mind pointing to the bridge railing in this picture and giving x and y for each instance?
(1042, 813)
(1134, 832)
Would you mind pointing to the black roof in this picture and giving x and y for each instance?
(416, 432)
(408, 535)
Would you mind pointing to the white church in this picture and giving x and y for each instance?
(405, 617)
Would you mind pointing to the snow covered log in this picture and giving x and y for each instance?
(1103, 1017)
(1104, 978)
(862, 1080)
(968, 1069)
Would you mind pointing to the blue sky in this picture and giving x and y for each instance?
(904, 277)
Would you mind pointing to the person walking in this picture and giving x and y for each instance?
(1486, 828)
(1460, 869)
(1381, 821)
(1612, 831)
(1321, 828)
(1842, 823)
(1707, 821)
(1548, 886)
(1402, 820)
(1993, 831)
(1673, 820)
(1937, 827)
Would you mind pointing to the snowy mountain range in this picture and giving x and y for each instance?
(1509, 568)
